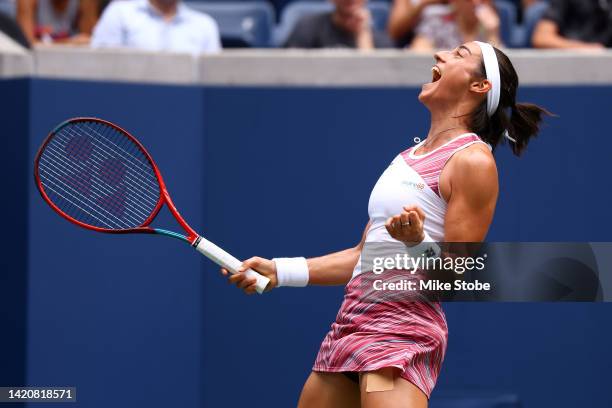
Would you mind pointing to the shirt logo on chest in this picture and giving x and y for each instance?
(412, 184)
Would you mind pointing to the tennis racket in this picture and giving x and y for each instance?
(98, 176)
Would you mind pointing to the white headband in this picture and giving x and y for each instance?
(492, 72)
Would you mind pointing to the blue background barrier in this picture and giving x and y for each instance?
(145, 321)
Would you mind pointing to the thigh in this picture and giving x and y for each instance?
(329, 390)
(403, 395)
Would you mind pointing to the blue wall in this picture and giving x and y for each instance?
(285, 172)
(119, 317)
(13, 263)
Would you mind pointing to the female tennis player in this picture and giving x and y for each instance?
(443, 189)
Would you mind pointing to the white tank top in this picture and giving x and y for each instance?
(412, 180)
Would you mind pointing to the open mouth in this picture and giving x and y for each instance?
(436, 74)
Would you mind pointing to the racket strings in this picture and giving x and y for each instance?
(99, 176)
(72, 199)
(106, 171)
(77, 185)
(145, 169)
(86, 188)
(82, 176)
(108, 174)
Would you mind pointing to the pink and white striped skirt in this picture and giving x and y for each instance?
(377, 329)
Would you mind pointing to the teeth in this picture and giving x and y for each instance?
(436, 73)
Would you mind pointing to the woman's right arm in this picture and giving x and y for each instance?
(332, 269)
(336, 268)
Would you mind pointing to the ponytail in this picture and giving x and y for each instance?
(525, 121)
(516, 122)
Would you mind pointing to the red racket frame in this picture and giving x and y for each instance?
(164, 196)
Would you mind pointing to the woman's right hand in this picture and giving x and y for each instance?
(265, 267)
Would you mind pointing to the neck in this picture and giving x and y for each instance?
(445, 125)
(165, 7)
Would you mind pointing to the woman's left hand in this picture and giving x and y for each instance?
(407, 227)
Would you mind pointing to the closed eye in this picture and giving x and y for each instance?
(463, 48)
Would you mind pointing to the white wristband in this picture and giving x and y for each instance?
(428, 248)
(291, 271)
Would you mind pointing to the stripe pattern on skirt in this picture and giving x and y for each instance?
(375, 329)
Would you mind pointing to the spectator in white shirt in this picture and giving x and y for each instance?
(156, 25)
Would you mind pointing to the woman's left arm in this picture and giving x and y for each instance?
(473, 185)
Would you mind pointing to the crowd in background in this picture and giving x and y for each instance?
(422, 25)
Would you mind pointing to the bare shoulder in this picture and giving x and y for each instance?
(471, 172)
(474, 161)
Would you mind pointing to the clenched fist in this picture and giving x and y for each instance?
(407, 227)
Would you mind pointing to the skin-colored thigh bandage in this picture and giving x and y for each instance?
(380, 380)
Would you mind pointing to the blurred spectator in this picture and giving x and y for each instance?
(443, 24)
(575, 24)
(156, 25)
(9, 26)
(348, 26)
(521, 6)
(406, 14)
(57, 21)
(102, 5)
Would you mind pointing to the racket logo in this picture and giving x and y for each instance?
(79, 148)
(94, 177)
(112, 171)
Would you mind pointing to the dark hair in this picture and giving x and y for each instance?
(521, 120)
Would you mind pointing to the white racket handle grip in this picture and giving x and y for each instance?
(222, 258)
